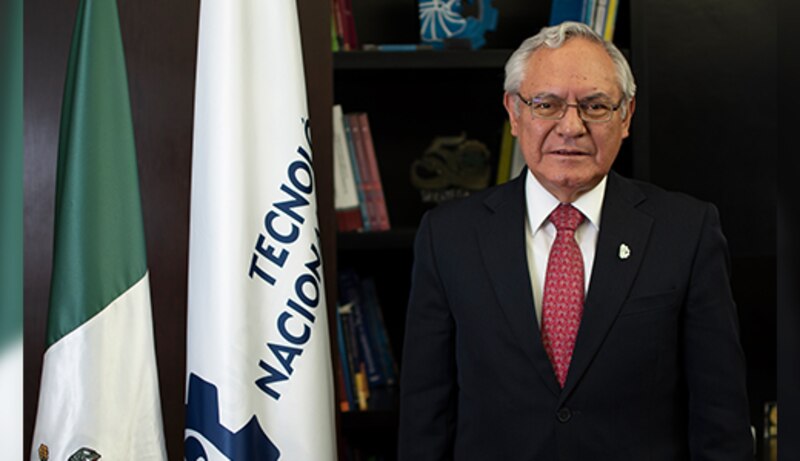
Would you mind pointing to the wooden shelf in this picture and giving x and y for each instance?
(443, 59)
(392, 239)
(366, 424)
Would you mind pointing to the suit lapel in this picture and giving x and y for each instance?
(502, 244)
(613, 272)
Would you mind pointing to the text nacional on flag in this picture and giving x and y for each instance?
(282, 224)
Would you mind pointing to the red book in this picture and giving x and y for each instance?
(350, 37)
(366, 178)
(375, 185)
(338, 17)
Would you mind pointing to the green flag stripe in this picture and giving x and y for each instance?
(99, 247)
(10, 171)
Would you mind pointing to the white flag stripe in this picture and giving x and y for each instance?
(251, 152)
(11, 362)
(110, 408)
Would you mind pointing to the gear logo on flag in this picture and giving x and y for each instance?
(202, 417)
(84, 454)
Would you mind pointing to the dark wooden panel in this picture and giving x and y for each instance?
(47, 33)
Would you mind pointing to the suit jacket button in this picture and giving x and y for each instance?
(564, 415)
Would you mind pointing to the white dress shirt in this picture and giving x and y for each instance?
(540, 232)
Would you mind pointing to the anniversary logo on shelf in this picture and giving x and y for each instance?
(451, 167)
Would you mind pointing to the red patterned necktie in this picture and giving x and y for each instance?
(562, 303)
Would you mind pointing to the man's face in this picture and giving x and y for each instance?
(569, 156)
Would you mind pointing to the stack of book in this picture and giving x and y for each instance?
(358, 191)
(601, 15)
(368, 368)
(510, 161)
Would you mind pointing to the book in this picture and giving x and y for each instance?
(345, 190)
(343, 375)
(354, 361)
(599, 20)
(611, 20)
(362, 388)
(350, 292)
(380, 335)
(337, 16)
(504, 156)
(349, 25)
(587, 12)
(517, 160)
(565, 10)
(381, 218)
(336, 39)
(369, 185)
(347, 121)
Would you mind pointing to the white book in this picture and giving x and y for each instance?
(599, 22)
(345, 190)
(517, 160)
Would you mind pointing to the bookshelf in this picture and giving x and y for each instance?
(462, 91)
(411, 98)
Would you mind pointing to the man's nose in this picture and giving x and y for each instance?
(571, 124)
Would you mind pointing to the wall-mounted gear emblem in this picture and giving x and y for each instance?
(441, 20)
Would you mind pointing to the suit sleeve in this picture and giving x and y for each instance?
(428, 390)
(719, 426)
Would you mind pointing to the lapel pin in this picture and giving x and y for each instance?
(624, 251)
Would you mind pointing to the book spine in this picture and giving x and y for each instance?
(355, 361)
(358, 174)
(367, 181)
(565, 10)
(376, 185)
(345, 189)
(336, 44)
(611, 20)
(350, 286)
(343, 376)
(351, 38)
(600, 17)
(378, 326)
(517, 160)
(588, 12)
(347, 360)
(506, 149)
(362, 388)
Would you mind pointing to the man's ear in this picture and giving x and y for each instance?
(510, 102)
(626, 124)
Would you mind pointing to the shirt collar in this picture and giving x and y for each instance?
(540, 203)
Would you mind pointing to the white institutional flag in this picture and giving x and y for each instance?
(259, 374)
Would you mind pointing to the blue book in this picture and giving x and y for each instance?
(388, 365)
(350, 289)
(344, 357)
(362, 199)
(566, 10)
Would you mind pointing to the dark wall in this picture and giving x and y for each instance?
(708, 75)
(160, 45)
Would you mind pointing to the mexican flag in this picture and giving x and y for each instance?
(99, 394)
(11, 229)
(259, 377)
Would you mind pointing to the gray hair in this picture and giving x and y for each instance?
(555, 37)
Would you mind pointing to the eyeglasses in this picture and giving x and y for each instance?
(554, 108)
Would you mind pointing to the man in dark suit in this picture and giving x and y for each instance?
(639, 361)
